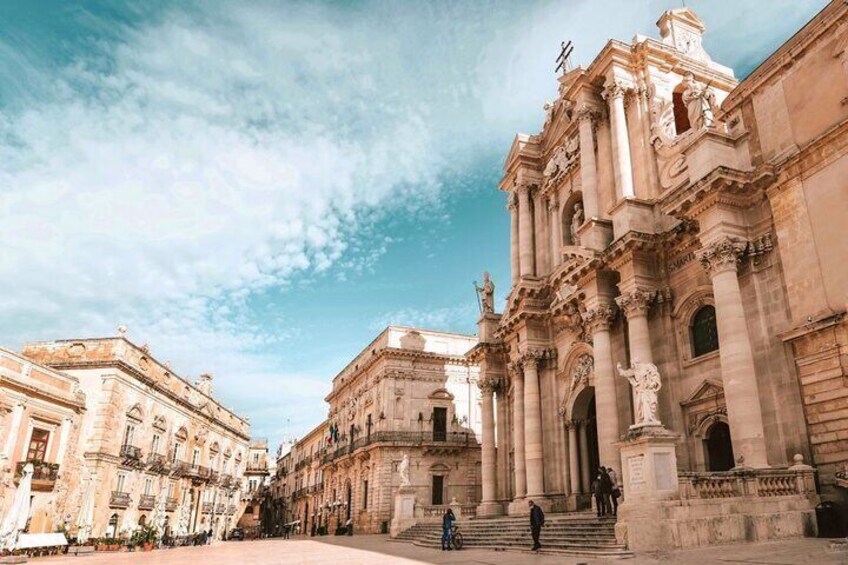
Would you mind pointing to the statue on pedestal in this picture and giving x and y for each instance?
(403, 470)
(577, 219)
(700, 103)
(645, 380)
(486, 294)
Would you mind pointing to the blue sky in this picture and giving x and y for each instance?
(257, 189)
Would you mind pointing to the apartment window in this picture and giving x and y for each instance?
(154, 447)
(255, 458)
(175, 456)
(365, 496)
(128, 434)
(195, 457)
(38, 445)
(170, 490)
(121, 480)
(148, 487)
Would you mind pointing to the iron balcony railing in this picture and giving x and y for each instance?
(207, 507)
(156, 462)
(146, 502)
(119, 499)
(44, 475)
(171, 504)
(455, 439)
(131, 452)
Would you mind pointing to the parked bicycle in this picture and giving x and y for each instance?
(456, 538)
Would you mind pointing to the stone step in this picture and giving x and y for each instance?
(619, 552)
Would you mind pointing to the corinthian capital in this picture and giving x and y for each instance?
(587, 112)
(636, 302)
(613, 89)
(600, 318)
(524, 188)
(488, 385)
(512, 201)
(722, 255)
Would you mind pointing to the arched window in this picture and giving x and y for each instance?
(719, 448)
(704, 331)
(681, 113)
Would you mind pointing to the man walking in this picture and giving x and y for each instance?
(616, 489)
(537, 520)
(447, 529)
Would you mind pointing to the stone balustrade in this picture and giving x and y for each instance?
(747, 483)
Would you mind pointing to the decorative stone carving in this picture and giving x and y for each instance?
(636, 302)
(577, 219)
(645, 380)
(486, 294)
(700, 103)
(561, 160)
(600, 318)
(682, 29)
(580, 374)
(671, 162)
(722, 255)
(489, 384)
(403, 471)
(613, 89)
(413, 340)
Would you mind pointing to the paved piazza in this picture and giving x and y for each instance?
(378, 550)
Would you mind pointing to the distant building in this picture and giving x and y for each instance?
(410, 392)
(153, 448)
(41, 411)
(305, 480)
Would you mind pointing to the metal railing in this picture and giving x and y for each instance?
(131, 452)
(44, 475)
(146, 502)
(171, 504)
(119, 499)
(207, 507)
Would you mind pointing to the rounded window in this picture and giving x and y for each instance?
(704, 331)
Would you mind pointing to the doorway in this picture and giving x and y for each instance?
(438, 490)
(440, 424)
(719, 448)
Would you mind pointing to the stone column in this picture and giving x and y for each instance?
(573, 458)
(588, 169)
(556, 227)
(533, 448)
(584, 458)
(502, 445)
(513, 237)
(738, 373)
(635, 304)
(488, 451)
(527, 258)
(518, 432)
(598, 321)
(14, 428)
(621, 162)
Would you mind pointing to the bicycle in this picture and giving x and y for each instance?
(456, 538)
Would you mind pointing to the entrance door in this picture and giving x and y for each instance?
(440, 424)
(438, 490)
(719, 448)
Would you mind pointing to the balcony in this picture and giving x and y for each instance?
(225, 480)
(130, 455)
(146, 502)
(259, 467)
(119, 500)
(207, 507)
(436, 440)
(220, 508)
(231, 509)
(44, 474)
(171, 504)
(178, 468)
(157, 463)
(198, 473)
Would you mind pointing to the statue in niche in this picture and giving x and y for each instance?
(700, 103)
(577, 219)
(645, 380)
(486, 294)
(403, 471)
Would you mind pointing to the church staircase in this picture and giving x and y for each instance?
(580, 534)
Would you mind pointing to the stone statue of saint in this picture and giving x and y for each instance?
(700, 103)
(486, 294)
(577, 219)
(645, 380)
(403, 470)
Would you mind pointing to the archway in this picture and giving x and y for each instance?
(719, 449)
(584, 421)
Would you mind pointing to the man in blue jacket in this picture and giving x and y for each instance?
(447, 526)
(537, 520)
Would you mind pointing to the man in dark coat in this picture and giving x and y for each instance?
(537, 520)
(447, 529)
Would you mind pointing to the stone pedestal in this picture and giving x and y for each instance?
(486, 326)
(649, 477)
(404, 515)
(595, 234)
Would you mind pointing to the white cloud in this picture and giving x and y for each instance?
(445, 318)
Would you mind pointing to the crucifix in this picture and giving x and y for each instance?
(564, 61)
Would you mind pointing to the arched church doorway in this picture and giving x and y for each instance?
(584, 435)
(719, 448)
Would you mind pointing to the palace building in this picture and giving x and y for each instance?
(153, 448)
(669, 214)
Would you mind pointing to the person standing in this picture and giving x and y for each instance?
(596, 492)
(537, 520)
(616, 489)
(606, 490)
(447, 529)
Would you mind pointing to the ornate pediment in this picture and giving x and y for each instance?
(440, 394)
(707, 391)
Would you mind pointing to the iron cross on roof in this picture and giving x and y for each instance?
(564, 61)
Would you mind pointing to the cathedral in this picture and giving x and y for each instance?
(672, 221)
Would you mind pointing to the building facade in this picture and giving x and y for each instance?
(153, 448)
(305, 482)
(41, 412)
(410, 392)
(668, 214)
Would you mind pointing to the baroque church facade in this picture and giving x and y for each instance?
(669, 214)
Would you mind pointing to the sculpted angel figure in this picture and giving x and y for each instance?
(700, 103)
(645, 380)
(403, 470)
(577, 220)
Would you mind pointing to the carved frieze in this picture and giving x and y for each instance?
(636, 302)
(722, 255)
(600, 318)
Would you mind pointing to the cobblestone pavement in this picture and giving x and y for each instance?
(378, 550)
